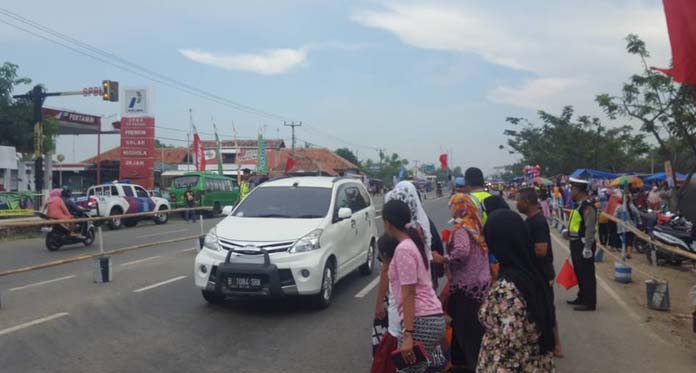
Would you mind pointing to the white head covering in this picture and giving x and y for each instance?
(406, 192)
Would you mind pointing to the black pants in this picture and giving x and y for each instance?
(585, 272)
(614, 240)
(604, 233)
(467, 330)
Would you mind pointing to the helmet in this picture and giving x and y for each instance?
(66, 192)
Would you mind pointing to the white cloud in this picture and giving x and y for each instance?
(552, 42)
(275, 61)
(531, 92)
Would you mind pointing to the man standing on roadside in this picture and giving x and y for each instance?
(473, 177)
(581, 232)
(528, 204)
(245, 188)
(190, 203)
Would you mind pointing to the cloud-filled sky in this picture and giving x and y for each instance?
(415, 77)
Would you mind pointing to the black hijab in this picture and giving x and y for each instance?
(508, 239)
(493, 203)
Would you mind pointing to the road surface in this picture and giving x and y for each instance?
(151, 318)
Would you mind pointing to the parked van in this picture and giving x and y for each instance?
(210, 190)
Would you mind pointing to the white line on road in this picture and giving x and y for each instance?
(139, 261)
(42, 283)
(187, 250)
(32, 323)
(162, 233)
(362, 293)
(159, 284)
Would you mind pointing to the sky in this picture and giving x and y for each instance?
(413, 77)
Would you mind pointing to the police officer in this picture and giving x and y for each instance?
(245, 188)
(581, 232)
(474, 182)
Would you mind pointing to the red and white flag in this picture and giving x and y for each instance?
(682, 36)
(199, 156)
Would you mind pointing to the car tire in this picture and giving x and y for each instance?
(132, 222)
(115, 224)
(368, 267)
(213, 297)
(161, 218)
(323, 299)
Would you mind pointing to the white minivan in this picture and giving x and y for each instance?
(291, 236)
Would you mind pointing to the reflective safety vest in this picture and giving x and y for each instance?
(478, 198)
(244, 189)
(576, 222)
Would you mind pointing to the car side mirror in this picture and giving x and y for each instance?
(227, 210)
(344, 213)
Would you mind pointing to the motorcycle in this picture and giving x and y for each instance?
(678, 233)
(438, 190)
(58, 235)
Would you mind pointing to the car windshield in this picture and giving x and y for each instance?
(286, 202)
(184, 182)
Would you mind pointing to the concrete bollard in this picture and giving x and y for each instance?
(103, 268)
(622, 272)
(657, 295)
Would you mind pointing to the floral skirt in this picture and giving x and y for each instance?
(430, 331)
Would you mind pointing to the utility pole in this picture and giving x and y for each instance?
(293, 125)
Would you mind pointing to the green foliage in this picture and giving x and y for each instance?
(386, 168)
(159, 144)
(562, 144)
(665, 109)
(17, 118)
(348, 155)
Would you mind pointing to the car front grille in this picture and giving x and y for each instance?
(254, 248)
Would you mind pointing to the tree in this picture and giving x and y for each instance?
(348, 155)
(386, 168)
(664, 108)
(17, 116)
(159, 144)
(562, 144)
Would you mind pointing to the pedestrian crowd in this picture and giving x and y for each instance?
(495, 313)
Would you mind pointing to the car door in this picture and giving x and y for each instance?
(344, 232)
(143, 197)
(361, 216)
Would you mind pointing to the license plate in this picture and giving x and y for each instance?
(244, 283)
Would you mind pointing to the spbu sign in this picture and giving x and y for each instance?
(137, 138)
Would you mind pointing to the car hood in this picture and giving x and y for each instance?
(265, 229)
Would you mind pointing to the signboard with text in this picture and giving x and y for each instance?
(138, 150)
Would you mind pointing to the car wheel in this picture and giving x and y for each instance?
(369, 266)
(323, 299)
(115, 224)
(132, 222)
(213, 297)
(161, 218)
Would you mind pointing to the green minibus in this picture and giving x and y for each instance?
(209, 189)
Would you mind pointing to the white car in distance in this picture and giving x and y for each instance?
(291, 236)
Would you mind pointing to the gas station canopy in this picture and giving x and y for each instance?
(72, 123)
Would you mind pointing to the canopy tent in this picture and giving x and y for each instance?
(661, 176)
(593, 174)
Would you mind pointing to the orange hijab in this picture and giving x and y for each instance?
(466, 216)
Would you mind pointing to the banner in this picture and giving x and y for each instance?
(669, 174)
(680, 15)
(219, 151)
(444, 161)
(137, 151)
(198, 153)
(261, 161)
(289, 164)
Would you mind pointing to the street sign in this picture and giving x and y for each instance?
(91, 91)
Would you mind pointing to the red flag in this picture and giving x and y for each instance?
(682, 36)
(566, 277)
(445, 235)
(289, 164)
(199, 156)
(443, 161)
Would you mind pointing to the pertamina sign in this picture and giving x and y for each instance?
(138, 150)
(136, 102)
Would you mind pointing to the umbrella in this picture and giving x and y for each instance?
(542, 181)
(633, 181)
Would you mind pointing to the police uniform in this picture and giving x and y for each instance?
(581, 232)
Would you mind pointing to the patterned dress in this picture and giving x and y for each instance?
(510, 343)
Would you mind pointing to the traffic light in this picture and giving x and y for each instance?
(110, 90)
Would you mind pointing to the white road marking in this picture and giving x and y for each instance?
(42, 283)
(159, 284)
(615, 296)
(362, 293)
(32, 323)
(139, 261)
(187, 250)
(162, 233)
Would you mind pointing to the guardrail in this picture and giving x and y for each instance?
(44, 222)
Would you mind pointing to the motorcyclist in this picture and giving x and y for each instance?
(56, 209)
(73, 208)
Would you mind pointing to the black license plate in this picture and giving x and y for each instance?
(244, 283)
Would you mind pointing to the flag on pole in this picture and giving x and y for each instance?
(566, 277)
(289, 164)
(219, 150)
(443, 161)
(682, 36)
(402, 173)
(198, 153)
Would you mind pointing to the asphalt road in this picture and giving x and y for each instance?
(152, 318)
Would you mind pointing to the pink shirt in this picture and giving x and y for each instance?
(407, 268)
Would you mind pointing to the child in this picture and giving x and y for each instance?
(382, 362)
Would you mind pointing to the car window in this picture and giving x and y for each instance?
(141, 192)
(184, 182)
(127, 190)
(98, 191)
(114, 190)
(286, 202)
(365, 196)
(349, 196)
(90, 192)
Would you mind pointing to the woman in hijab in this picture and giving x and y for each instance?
(56, 209)
(470, 278)
(517, 311)
(406, 192)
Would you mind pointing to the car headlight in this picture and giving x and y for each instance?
(211, 241)
(307, 243)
